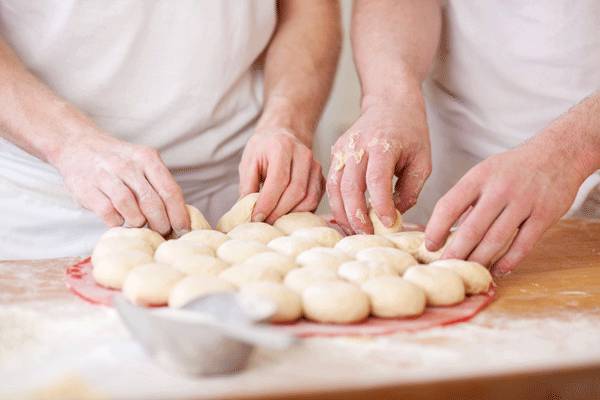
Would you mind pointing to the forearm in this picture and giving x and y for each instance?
(300, 65)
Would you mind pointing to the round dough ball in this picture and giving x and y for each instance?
(237, 251)
(280, 262)
(240, 213)
(379, 228)
(425, 256)
(258, 231)
(351, 245)
(396, 259)
(324, 235)
(194, 286)
(442, 286)
(298, 220)
(476, 278)
(361, 271)
(291, 246)
(407, 241)
(242, 274)
(113, 245)
(288, 305)
(173, 251)
(200, 264)
(300, 278)
(150, 284)
(394, 297)
(111, 269)
(145, 234)
(197, 220)
(323, 256)
(335, 302)
(207, 237)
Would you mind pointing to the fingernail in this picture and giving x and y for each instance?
(259, 217)
(429, 244)
(388, 221)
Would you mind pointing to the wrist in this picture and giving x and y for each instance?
(399, 93)
(280, 115)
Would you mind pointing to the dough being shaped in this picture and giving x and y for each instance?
(280, 262)
(442, 286)
(323, 256)
(240, 213)
(258, 231)
(241, 274)
(111, 245)
(394, 297)
(408, 241)
(145, 234)
(396, 259)
(237, 251)
(173, 251)
(425, 256)
(207, 237)
(200, 264)
(150, 284)
(111, 269)
(351, 245)
(291, 246)
(194, 286)
(324, 235)
(335, 302)
(476, 278)
(300, 278)
(288, 305)
(298, 220)
(379, 228)
(361, 271)
(197, 220)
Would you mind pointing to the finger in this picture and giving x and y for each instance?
(123, 201)
(149, 202)
(410, 182)
(352, 188)
(380, 172)
(97, 202)
(334, 195)
(314, 191)
(278, 177)
(249, 177)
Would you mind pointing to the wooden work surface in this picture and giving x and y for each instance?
(536, 341)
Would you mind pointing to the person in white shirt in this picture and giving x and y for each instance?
(119, 112)
(512, 95)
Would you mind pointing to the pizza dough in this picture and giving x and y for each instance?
(237, 251)
(324, 235)
(111, 269)
(111, 245)
(425, 256)
(335, 302)
(200, 264)
(379, 228)
(240, 213)
(323, 256)
(442, 286)
(394, 297)
(197, 220)
(258, 231)
(207, 237)
(291, 246)
(395, 259)
(287, 302)
(195, 286)
(241, 274)
(476, 278)
(150, 284)
(145, 234)
(280, 262)
(351, 245)
(361, 271)
(298, 220)
(171, 251)
(407, 241)
(300, 278)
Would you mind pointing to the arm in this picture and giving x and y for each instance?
(394, 44)
(299, 68)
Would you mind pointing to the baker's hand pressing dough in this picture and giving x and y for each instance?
(171, 251)
(237, 251)
(145, 234)
(241, 274)
(394, 297)
(280, 262)
(197, 220)
(291, 246)
(111, 269)
(324, 235)
(425, 256)
(361, 271)
(259, 231)
(298, 220)
(288, 305)
(300, 278)
(207, 237)
(335, 302)
(351, 245)
(379, 228)
(240, 213)
(150, 284)
(199, 264)
(442, 286)
(408, 241)
(195, 286)
(395, 259)
(323, 256)
(476, 278)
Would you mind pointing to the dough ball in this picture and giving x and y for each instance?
(194, 286)
(361, 271)
(324, 235)
(145, 234)
(407, 241)
(442, 286)
(351, 245)
(237, 251)
(298, 220)
(172, 251)
(394, 297)
(288, 303)
(207, 237)
(258, 231)
(300, 278)
(379, 228)
(150, 284)
(240, 213)
(111, 245)
(111, 269)
(425, 256)
(197, 220)
(335, 302)
(280, 262)
(395, 259)
(241, 274)
(200, 264)
(476, 278)
(291, 246)
(323, 256)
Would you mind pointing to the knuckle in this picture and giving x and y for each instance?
(471, 233)
(350, 187)
(148, 154)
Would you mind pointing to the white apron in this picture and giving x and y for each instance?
(174, 75)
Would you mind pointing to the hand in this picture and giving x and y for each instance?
(292, 178)
(389, 138)
(122, 183)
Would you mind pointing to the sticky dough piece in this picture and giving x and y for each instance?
(395, 259)
(207, 237)
(174, 250)
(195, 286)
(111, 269)
(237, 251)
(291, 246)
(324, 235)
(408, 241)
(288, 305)
(394, 297)
(425, 256)
(476, 278)
(323, 256)
(242, 274)
(351, 245)
(258, 231)
(151, 284)
(301, 278)
(379, 228)
(335, 302)
(361, 271)
(240, 213)
(298, 220)
(280, 262)
(442, 286)
(153, 238)
(197, 220)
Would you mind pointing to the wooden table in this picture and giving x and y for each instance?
(535, 341)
